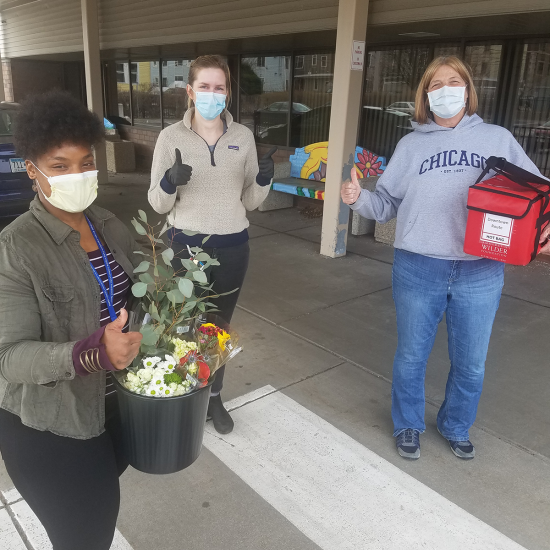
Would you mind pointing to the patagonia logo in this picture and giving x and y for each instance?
(234, 147)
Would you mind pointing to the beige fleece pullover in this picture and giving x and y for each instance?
(215, 200)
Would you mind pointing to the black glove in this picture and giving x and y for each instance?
(180, 173)
(266, 166)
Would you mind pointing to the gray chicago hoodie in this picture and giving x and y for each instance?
(426, 184)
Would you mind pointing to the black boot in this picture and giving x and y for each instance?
(223, 423)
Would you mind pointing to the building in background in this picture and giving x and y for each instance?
(283, 79)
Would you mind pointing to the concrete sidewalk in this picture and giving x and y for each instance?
(321, 334)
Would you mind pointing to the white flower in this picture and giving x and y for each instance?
(150, 361)
(193, 368)
(152, 391)
(167, 392)
(146, 374)
(180, 390)
(173, 386)
(182, 347)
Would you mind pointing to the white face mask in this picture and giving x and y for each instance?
(448, 101)
(71, 192)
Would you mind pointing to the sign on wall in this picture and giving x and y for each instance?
(357, 55)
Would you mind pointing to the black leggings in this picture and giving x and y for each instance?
(70, 484)
(228, 276)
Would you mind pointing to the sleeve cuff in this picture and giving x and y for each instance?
(90, 356)
(262, 181)
(359, 202)
(166, 186)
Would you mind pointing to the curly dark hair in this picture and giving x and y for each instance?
(53, 119)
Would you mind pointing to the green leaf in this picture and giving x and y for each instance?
(175, 296)
(139, 289)
(156, 271)
(189, 265)
(200, 276)
(168, 256)
(202, 257)
(205, 239)
(186, 287)
(201, 306)
(142, 216)
(189, 233)
(196, 249)
(138, 227)
(143, 266)
(166, 273)
(146, 278)
(141, 253)
(149, 335)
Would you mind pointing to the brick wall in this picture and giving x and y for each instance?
(8, 83)
(144, 140)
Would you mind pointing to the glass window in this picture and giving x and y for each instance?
(264, 97)
(174, 93)
(145, 93)
(314, 60)
(312, 98)
(484, 60)
(531, 118)
(391, 79)
(123, 91)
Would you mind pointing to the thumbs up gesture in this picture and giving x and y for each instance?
(180, 173)
(351, 189)
(121, 347)
(266, 166)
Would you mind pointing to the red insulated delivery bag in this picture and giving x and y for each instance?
(507, 213)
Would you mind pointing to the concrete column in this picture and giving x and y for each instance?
(344, 121)
(92, 66)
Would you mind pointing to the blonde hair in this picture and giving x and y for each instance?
(209, 62)
(422, 103)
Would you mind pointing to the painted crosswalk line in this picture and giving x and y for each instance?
(340, 494)
(17, 520)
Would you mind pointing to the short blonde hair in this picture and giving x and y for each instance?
(422, 103)
(209, 62)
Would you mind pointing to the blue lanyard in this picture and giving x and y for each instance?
(108, 297)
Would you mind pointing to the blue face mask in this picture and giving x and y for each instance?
(209, 104)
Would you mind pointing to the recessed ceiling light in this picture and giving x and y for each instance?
(419, 34)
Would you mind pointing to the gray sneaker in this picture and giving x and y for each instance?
(463, 449)
(408, 444)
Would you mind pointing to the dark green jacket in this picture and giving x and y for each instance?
(49, 299)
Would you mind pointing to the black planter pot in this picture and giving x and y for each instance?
(162, 435)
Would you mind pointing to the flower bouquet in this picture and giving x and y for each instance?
(163, 395)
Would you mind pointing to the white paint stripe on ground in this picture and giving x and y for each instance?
(249, 397)
(337, 492)
(32, 528)
(9, 537)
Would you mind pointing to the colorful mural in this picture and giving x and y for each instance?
(310, 162)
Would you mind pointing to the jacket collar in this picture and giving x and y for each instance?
(188, 117)
(59, 230)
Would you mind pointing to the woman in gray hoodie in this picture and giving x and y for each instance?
(426, 186)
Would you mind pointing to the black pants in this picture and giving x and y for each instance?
(227, 276)
(70, 484)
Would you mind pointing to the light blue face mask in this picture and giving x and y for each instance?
(209, 104)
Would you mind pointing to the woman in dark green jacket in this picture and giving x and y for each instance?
(66, 267)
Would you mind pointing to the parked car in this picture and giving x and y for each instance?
(15, 185)
(406, 107)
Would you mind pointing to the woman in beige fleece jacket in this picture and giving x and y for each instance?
(205, 176)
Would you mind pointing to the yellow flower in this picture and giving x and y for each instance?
(223, 337)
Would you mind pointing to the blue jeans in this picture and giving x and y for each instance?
(424, 288)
